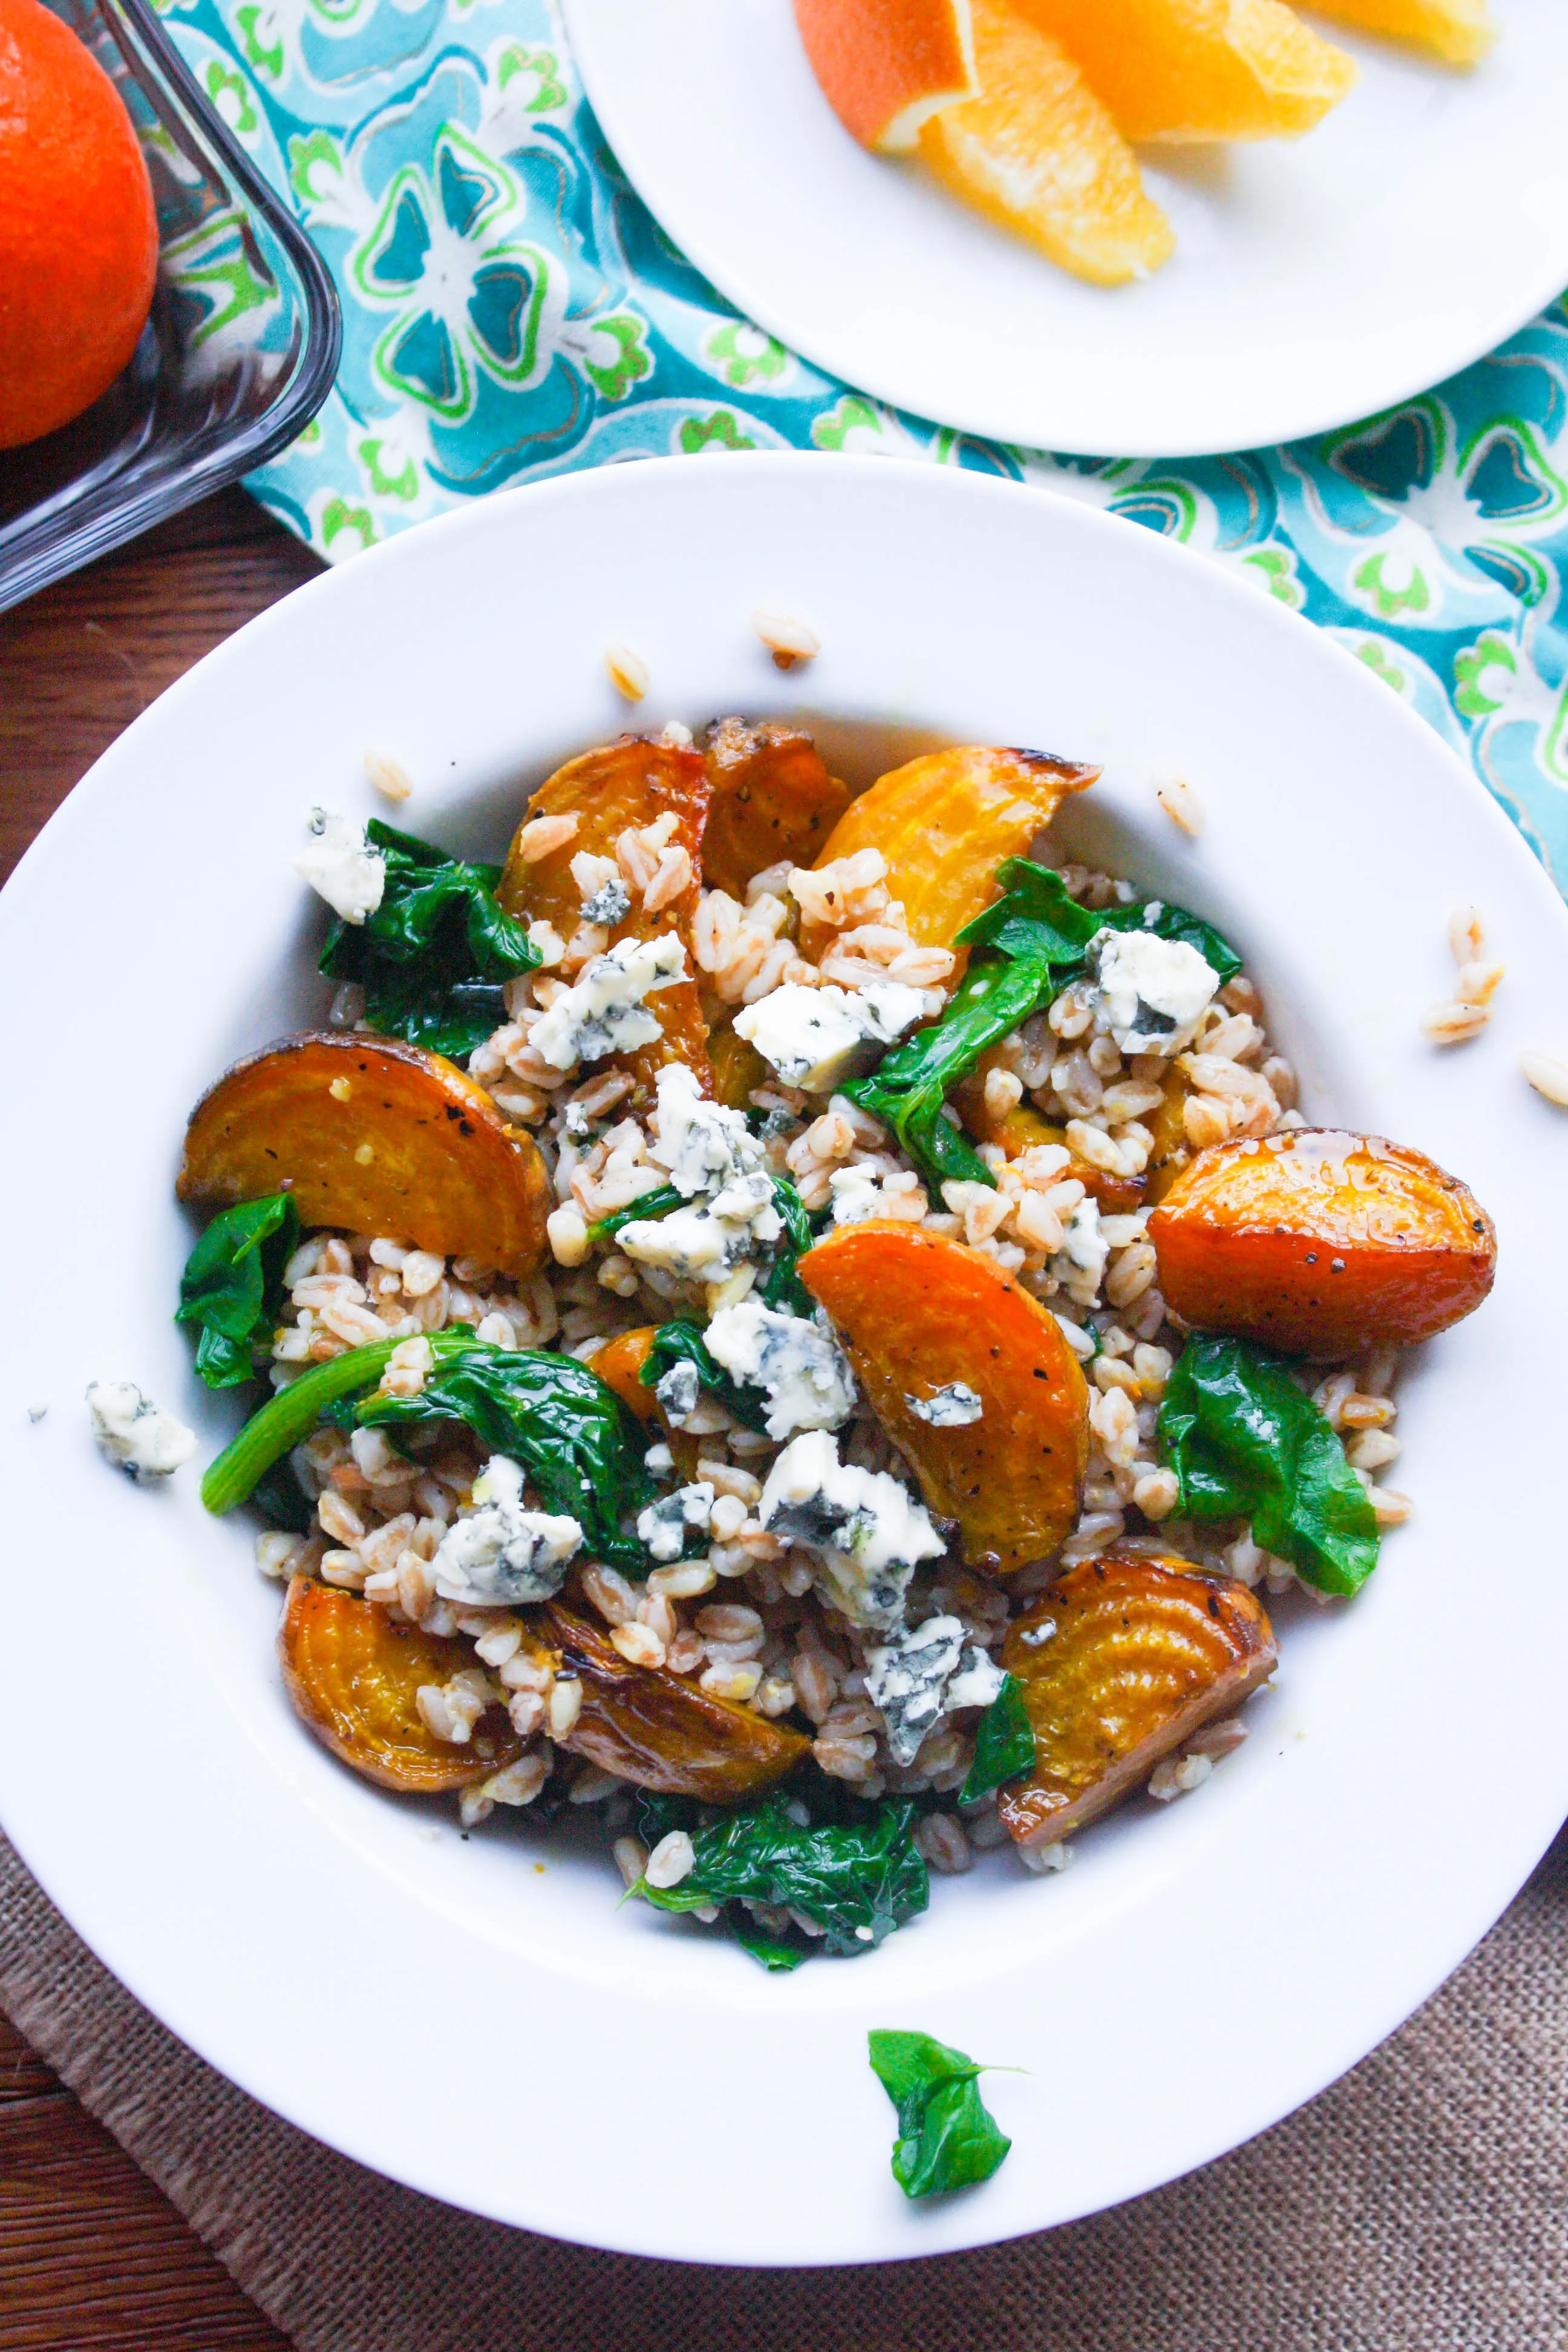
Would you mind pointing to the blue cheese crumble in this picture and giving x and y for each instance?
(608, 903)
(953, 1407)
(920, 1675)
(704, 1245)
(867, 1530)
(800, 1364)
(130, 1430)
(604, 1012)
(678, 1391)
(704, 1147)
(817, 1037)
(664, 1526)
(1079, 1264)
(341, 866)
(1150, 992)
(501, 1554)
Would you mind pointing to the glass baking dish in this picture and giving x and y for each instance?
(238, 354)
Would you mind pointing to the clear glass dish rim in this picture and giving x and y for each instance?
(260, 437)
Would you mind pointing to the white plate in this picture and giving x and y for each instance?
(498, 2033)
(1315, 281)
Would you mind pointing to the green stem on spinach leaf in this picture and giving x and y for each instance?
(288, 1418)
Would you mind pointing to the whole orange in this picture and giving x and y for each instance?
(79, 239)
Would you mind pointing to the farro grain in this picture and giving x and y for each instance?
(565, 1705)
(1478, 983)
(1174, 1776)
(628, 673)
(388, 776)
(543, 835)
(1467, 935)
(526, 1709)
(631, 1858)
(786, 638)
(638, 1643)
(1547, 1074)
(1181, 804)
(942, 1841)
(1453, 1024)
(607, 1592)
(672, 1860)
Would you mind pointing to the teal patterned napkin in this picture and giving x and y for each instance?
(511, 310)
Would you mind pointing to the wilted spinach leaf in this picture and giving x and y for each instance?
(781, 1287)
(279, 1497)
(1030, 948)
(947, 2139)
(858, 1880)
(908, 1088)
(1246, 1443)
(658, 1204)
(574, 1438)
(433, 959)
(1036, 919)
(681, 1342)
(1004, 1743)
(777, 1957)
(232, 1286)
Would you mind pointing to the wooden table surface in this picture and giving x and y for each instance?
(92, 2257)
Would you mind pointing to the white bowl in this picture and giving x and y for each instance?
(475, 2017)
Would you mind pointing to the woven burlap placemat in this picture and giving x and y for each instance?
(1418, 2206)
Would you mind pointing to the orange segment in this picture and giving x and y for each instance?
(1183, 69)
(1039, 153)
(1457, 31)
(887, 66)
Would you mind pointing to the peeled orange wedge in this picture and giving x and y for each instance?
(1457, 31)
(1040, 153)
(887, 66)
(1190, 69)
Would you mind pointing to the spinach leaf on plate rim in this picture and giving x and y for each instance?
(948, 2139)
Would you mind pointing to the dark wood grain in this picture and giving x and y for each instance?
(93, 2258)
(79, 662)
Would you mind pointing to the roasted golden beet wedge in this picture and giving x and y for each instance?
(620, 1363)
(658, 1729)
(772, 799)
(944, 824)
(633, 782)
(1320, 1242)
(1143, 1653)
(738, 1069)
(1170, 1152)
(376, 1137)
(918, 1313)
(353, 1671)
